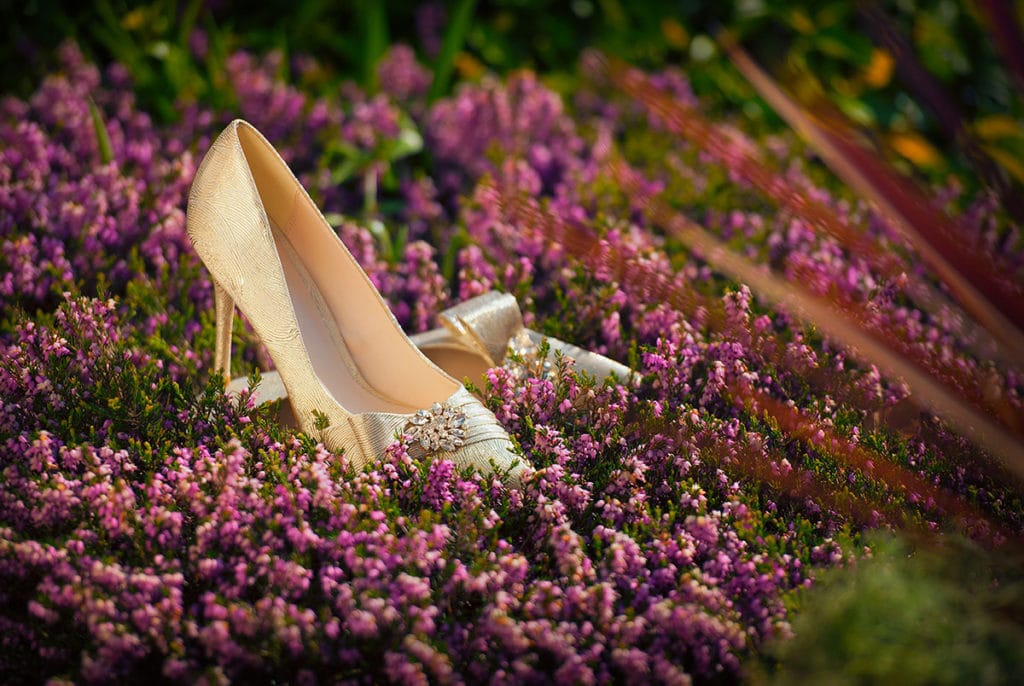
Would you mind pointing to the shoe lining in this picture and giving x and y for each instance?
(329, 354)
(460, 363)
(357, 350)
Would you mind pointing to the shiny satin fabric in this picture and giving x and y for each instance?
(485, 324)
(491, 325)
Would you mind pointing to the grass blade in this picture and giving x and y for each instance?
(821, 436)
(864, 342)
(930, 91)
(454, 38)
(373, 16)
(740, 155)
(102, 136)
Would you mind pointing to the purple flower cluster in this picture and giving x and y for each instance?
(151, 527)
(517, 120)
(233, 549)
(401, 76)
(67, 217)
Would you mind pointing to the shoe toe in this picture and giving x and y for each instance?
(488, 456)
(467, 433)
(459, 429)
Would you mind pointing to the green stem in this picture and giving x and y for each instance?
(370, 193)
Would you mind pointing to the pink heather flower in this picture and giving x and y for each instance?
(401, 76)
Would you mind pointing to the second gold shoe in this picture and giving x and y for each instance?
(353, 377)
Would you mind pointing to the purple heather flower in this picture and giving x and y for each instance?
(401, 76)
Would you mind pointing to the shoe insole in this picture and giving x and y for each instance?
(325, 344)
(459, 363)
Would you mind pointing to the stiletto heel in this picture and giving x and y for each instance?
(352, 376)
(224, 318)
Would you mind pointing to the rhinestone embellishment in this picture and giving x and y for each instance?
(439, 428)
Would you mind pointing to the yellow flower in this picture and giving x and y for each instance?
(915, 148)
(878, 73)
(997, 126)
(675, 34)
(468, 66)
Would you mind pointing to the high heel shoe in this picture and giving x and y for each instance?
(353, 377)
(477, 334)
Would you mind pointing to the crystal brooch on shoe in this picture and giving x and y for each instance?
(439, 428)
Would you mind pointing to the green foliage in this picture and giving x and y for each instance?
(152, 42)
(908, 615)
(102, 137)
(374, 22)
(902, 616)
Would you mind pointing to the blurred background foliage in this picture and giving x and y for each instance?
(910, 614)
(837, 41)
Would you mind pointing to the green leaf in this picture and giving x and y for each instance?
(188, 22)
(856, 109)
(345, 161)
(102, 137)
(380, 232)
(409, 142)
(844, 44)
(335, 219)
(320, 420)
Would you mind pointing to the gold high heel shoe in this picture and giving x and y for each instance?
(353, 377)
(477, 334)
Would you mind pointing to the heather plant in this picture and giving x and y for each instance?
(192, 539)
(152, 527)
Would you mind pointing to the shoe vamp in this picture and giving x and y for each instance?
(460, 429)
